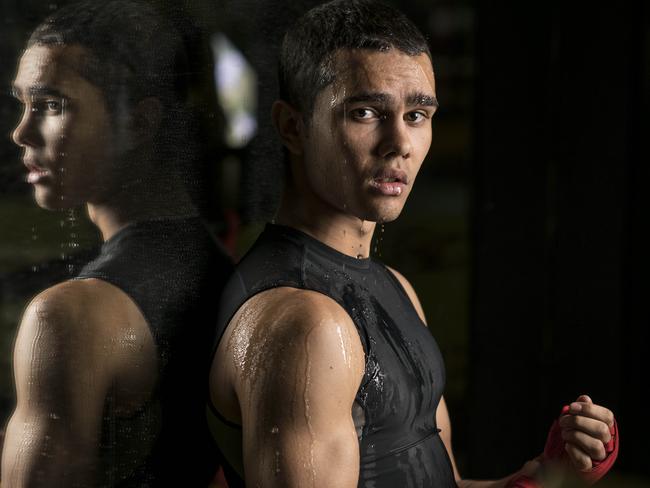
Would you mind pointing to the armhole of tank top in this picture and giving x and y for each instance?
(221, 418)
(217, 339)
(363, 338)
(402, 292)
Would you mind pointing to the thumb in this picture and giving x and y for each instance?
(584, 398)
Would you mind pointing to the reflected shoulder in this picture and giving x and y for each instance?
(81, 316)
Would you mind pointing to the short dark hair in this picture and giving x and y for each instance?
(309, 46)
(131, 50)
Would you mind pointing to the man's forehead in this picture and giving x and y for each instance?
(48, 66)
(364, 69)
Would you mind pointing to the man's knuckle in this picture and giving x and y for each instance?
(585, 464)
(603, 432)
(580, 461)
(600, 453)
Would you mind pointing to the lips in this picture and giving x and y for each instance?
(389, 181)
(36, 173)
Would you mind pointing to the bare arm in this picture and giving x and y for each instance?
(65, 361)
(296, 386)
(53, 433)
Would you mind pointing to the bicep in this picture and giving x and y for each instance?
(296, 402)
(53, 433)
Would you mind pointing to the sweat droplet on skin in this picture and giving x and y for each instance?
(333, 100)
(380, 237)
(344, 339)
(343, 351)
(307, 406)
(362, 227)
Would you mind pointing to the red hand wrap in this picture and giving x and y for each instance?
(554, 451)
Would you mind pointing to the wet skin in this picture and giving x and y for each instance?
(370, 133)
(354, 162)
(80, 343)
(68, 139)
(290, 362)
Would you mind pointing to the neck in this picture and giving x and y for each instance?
(137, 202)
(344, 232)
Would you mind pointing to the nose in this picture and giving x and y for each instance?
(396, 140)
(25, 132)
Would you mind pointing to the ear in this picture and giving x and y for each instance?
(147, 116)
(288, 124)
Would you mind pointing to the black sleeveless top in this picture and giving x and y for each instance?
(404, 377)
(173, 270)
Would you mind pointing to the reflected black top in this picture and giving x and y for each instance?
(172, 269)
(404, 371)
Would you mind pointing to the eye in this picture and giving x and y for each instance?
(53, 105)
(47, 107)
(364, 113)
(416, 117)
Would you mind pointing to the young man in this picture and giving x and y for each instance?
(325, 374)
(111, 366)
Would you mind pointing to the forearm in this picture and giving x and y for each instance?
(37, 455)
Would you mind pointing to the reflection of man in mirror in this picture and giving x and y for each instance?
(111, 366)
(326, 374)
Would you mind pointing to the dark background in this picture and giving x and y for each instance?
(525, 236)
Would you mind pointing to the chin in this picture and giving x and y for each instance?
(50, 201)
(384, 219)
(383, 214)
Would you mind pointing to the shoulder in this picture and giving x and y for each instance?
(410, 291)
(79, 319)
(56, 345)
(299, 312)
(79, 306)
(289, 327)
(57, 311)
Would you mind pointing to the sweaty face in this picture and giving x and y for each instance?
(65, 129)
(370, 132)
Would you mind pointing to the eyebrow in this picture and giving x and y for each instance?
(422, 100)
(413, 99)
(38, 91)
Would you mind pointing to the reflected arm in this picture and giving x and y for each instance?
(53, 435)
